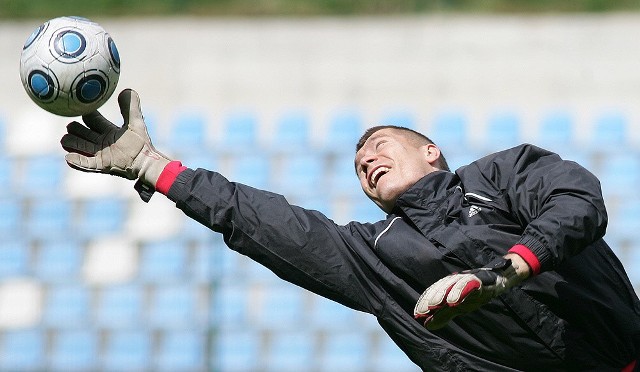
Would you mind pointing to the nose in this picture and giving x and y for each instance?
(367, 160)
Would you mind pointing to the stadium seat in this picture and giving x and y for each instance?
(49, 219)
(620, 174)
(290, 352)
(329, 315)
(11, 218)
(74, 351)
(610, 131)
(67, 307)
(120, 306)
(181, 351)
(555, 132)
(292, 132)
(627, 220)
(251, 169)
(174, 307)
(281, 307)
(230, 306)
(22, 350)
(101, 216)
(399, 117)
(449, 131)
(8, 185)
(188, 133)
(237, 351)
(389, 357)
(42, 175)
(164, 261)
(346, 351)
(15, 257)
(127, 350)
(301, 175)
(239, 133)
(343, 131)
(503, 131)
(59, 261)
(364, 210)
(343, 180)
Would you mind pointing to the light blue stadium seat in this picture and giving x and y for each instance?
(67, 307)
(627, 221)
(251, 169)
(389, 357)
(556, 132)
(100, 217)
(230, 305)
(292, 132)
(611, 131)
(301, 175)
(22, 350)
(181, 351)
(329, 315)
(164, 261)
(365, 210)
(503, 131)
(449, 131)
(398, 117)
(173, 307)
(127, 350)
(15, 256)
(343, 131)
(59, 261)
(205, 160)
(236, 351)
(224, 263)
(456, 159)
(343, 180)
(74, 351)
(49, 219)
(620, 175)
(239, 133)
(290, 352)
(8, 184)
(346, 351)
(632, 264)
(282, 308)
(120, 307)
(42, 175)
(188, 133)
(11, 218)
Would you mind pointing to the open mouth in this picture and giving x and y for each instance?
(376, 174)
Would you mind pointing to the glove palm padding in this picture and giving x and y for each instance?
(103, 147)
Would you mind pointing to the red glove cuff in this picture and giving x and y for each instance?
(528, 256)
(168, 176)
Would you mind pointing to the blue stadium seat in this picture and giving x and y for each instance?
(67, 307)
(290, 352)
(100, 217)
(620, 174)
(555, 131)
(343, 131)
(610, 131)
(230, 306)
(74, 351)
(120, 307)
(292, 132)
(449, 131)
(632, 264)
(42, 175)
(164, 261)
(59, 261)
(399, 117)
(11, 218)
(173, 307)
(236, 351)
(343, 180)
(49, 219)
(329, 315)
(301, 175)
(503, 131)
(389, 357)
(205, 160)
(181, 351)
(627, 221)
(188, 133)
(15, 256)
(282, 307)
(364, 210)
(251, 169)
(127, 350)
(22, 350)
(239, 133)
(346, 351)
(8, 185)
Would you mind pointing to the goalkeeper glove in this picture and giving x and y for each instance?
(125, 151)
(463, 292)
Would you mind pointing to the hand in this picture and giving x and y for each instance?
(103, 147)
(463, 292)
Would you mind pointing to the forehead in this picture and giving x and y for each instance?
(383, 133)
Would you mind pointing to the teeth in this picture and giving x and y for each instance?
(376, 173)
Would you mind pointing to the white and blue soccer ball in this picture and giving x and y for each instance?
(70, 66)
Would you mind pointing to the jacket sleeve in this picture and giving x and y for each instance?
(558, 203)
(301, 246)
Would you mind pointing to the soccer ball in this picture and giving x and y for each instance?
(69, 66)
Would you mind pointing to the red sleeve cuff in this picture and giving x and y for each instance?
(168, 176)
(528, 256)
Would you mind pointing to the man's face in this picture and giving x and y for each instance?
(389, 163)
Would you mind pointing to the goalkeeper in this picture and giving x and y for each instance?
(500, 266)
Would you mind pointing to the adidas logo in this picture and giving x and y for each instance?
(474, 210)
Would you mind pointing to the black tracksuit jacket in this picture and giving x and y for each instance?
(579, 313)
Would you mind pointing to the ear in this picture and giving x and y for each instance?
(431, 153)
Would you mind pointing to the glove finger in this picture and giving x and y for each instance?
(467, 284)
(76, 129)
(129, 102)
(74, 144)
(442, 317)
(83, 163)
(96, 122)
(433, 297)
